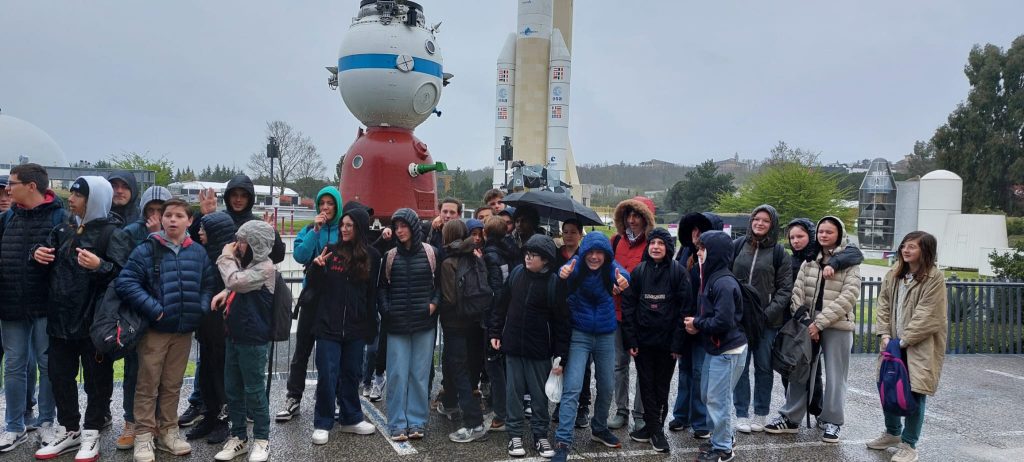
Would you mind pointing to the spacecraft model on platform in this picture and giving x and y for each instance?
(390, 75)
(532, 95)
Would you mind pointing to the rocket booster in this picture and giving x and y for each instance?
(558, 109)
(504, 104)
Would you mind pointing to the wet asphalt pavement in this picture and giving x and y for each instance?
(978, 414)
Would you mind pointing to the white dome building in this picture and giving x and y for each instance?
(20, 139)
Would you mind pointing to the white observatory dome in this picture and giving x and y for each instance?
(19, 138)
(941, 195)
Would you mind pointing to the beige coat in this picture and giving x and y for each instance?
(924, 332)
(842, 291)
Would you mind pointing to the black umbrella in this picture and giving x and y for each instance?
(555, 206)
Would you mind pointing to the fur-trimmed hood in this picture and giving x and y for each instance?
(640, 204)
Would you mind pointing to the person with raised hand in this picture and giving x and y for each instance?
(591, 277)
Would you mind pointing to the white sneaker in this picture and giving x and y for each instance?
(361, 428)
(320, 436)
(233, 448)
(757, 423)
(90, 448)
(378, 388)
(260, 451)
(144, 448)
(11, 440)
(172, 442)
(45, 432)
(743, 425)
(63, 443)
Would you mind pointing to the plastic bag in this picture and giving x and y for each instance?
(553, 387)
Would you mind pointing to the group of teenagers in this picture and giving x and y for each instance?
(370, 310)
(584, 310)
(210, 276)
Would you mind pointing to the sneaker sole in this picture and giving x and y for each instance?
(640, 440)
(189, 423)
(756, 429)
(517, 454)
(830, 440)
(125, 446)
(599, 440)
(742, 430)
(482, 437)
(88, 459)
(882, 447)
(781, 431)
(237, 454)
(15, 444)
(358, 432)
(169, 451)
(284, 418)
(66, 450)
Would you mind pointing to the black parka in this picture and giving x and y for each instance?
(404, 300)
(24, 285)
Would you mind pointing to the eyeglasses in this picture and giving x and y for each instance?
(531, 255)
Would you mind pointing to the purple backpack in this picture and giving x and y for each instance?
(894, 382)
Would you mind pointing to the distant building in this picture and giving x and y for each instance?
(735, 165)
(655, 164)
(189, 191)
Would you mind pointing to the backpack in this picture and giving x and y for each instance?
(390, 260)
(473, 292)
(894, 382)
(755, 319)
(116, 326)
(792, 351)
(281, 310)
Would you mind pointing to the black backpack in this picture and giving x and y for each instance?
(473, 292)
(281, 310)
(117, 327)
(792, 351)
(755, 319)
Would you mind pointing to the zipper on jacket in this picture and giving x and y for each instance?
(181, 292)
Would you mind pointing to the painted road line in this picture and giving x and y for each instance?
(929, 412)
(1004, 374)
(403, 448)
(592, 455)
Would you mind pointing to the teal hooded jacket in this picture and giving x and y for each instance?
(309, 243)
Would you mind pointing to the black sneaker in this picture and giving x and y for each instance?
(640, 436)
(543, 447)
(515, 447)
(716, 455)
(702, 434)
(606, 438)
(583, 417)
(780, 424)
(659, 442)
(191, 416)
(290, 410)
(201, 429)
(677, 425)
(831, 433)
(220, 433)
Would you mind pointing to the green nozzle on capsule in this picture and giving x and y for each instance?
(416, 170)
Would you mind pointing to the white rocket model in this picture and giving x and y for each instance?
(532, 92)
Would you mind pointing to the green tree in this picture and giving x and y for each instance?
(219, 173)
(981, 140)
(1009, 265)
(309, 186)
(794, 190)
(163, 167)
(783, 154)
(922, 159)
(700, 189)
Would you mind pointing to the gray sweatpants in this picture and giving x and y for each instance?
(835, 347)
(622, 359)
(526, 376)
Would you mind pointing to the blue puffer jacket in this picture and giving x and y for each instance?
(184, 289)
(591, 306)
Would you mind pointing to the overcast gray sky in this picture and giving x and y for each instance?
(673, 80)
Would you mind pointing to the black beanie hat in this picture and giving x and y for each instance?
(80, 186)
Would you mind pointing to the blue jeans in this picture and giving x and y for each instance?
(689, 407)
(196, 398)
(17, 336)
(764, 378)
(582, 346)
(909, 427)
(721, 372)
(369, 362)
(245, 388)
(410, 357)
(338, 365)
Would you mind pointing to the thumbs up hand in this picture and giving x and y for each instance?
(567, 269)
(621, 283)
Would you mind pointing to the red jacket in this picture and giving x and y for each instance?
(628, 255)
